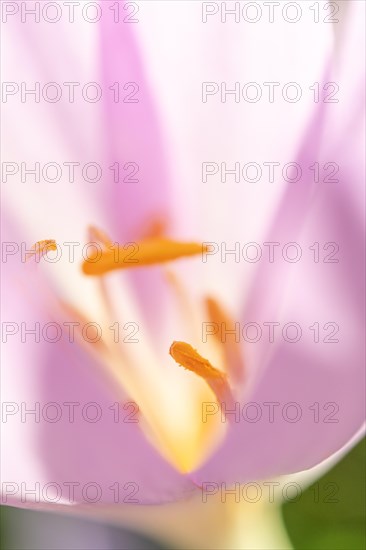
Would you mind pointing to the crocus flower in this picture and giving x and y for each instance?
(163, 448)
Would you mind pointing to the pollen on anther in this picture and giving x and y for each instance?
(189, 358)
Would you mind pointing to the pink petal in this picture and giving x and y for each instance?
(324, 380)
(106, 453)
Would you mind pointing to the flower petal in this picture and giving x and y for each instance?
(81, 432)
(307, 396)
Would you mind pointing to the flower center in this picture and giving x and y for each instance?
(171, 404)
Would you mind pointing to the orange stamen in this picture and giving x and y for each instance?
(186, 356)
(97, 235)
(41, 248)
(234, 361)
(146, 252)
(156, 227)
